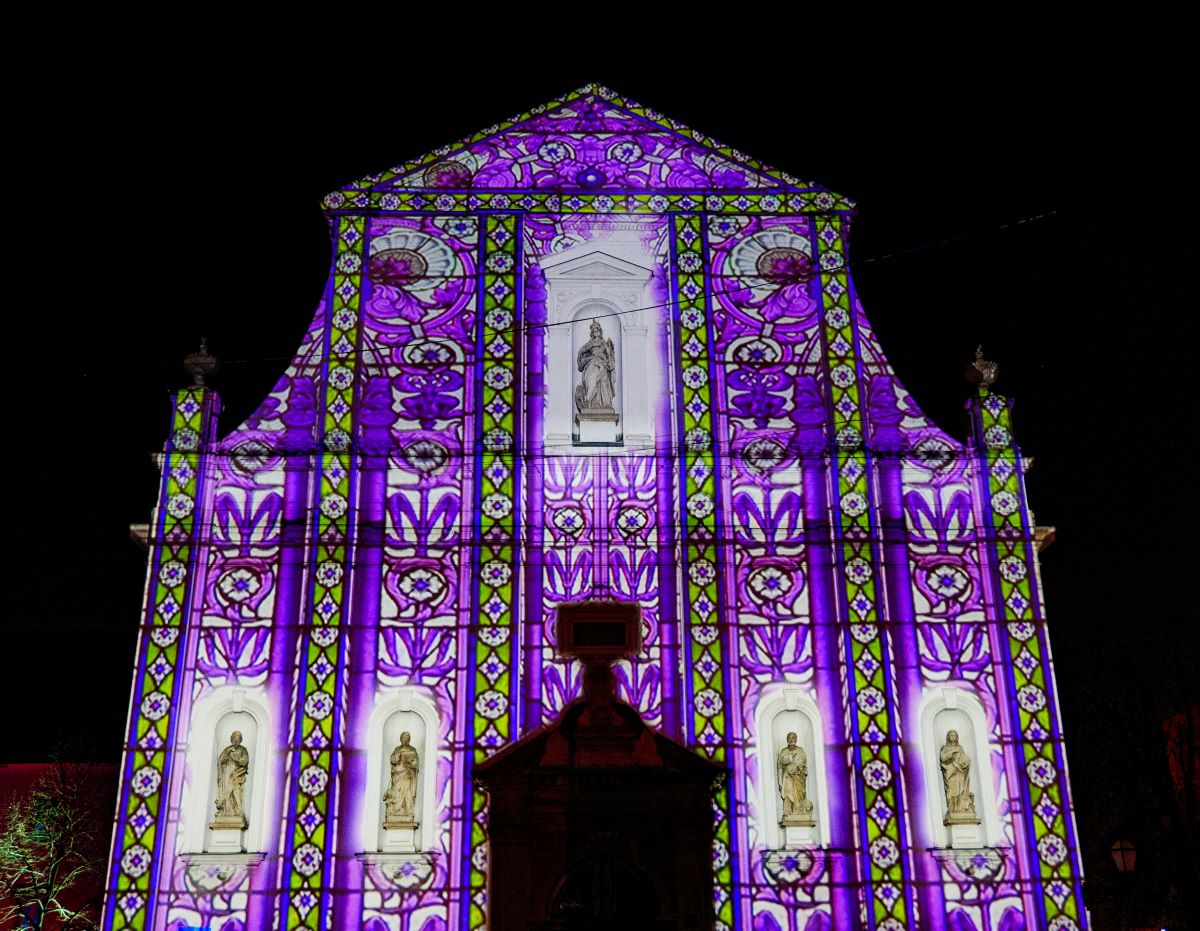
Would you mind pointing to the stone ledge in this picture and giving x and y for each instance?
(404, 870)
(975, 862)
(215, 871)
(790, 865)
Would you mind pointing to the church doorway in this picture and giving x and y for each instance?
(599, 892)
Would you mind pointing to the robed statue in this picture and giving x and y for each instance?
(401, 796)
(792, 774)
(597, 360)
(956, 780)
(233, 766)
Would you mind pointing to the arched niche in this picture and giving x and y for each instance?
(608, 280)
(214, 718)
(395, 713)
(943, 710)
(780, 712)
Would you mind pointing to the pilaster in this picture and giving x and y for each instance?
(177, 528)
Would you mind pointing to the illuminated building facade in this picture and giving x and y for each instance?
(591, 353)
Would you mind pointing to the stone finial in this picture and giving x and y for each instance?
(981, 371)
(201, 364)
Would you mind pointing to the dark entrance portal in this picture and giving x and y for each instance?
(596, 821)
(604, 888)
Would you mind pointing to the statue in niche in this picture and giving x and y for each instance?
(233, 766)
(597, 360)
(792, 773)
(401, 796)
(956, 779)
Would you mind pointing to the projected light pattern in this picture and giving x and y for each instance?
(391, 522)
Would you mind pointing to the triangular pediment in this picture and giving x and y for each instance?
(593, 140)
(596, 270)
(594, 265)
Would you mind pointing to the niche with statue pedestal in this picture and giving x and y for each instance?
(227, 795)
(793, 804)
(959, 785)
(401, 774)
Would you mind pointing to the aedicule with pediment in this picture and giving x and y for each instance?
(605, 283)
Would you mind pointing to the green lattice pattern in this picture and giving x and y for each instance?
(803, 202)
(708, 725)
(169, 593)
(1016, 568)
(310, 868)
(493, 686)
(877, 766)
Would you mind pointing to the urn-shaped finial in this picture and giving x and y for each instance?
(201, 364)
(981, 371)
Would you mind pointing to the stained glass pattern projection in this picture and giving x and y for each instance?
(708, 635)
(309, 853)
(494, 678)
(138, 854)
(396, 524)
(874, 757)
(1042, 777)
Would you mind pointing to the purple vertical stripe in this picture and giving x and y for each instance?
(533, 297)
(668, 446)
(827, 673)
(901, 618)
(467, 688)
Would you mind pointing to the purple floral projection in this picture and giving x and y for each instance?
(397, 523)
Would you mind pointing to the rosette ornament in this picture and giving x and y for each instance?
(411, 261)
(772, 259)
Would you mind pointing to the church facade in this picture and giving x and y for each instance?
(591, 354)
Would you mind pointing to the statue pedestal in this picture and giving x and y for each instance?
(965, 834)
(596, 426)
(225, 835)
(220, 872)
(400, 836)
(799, 832)
(398, 870)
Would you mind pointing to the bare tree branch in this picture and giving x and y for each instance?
(52, 849)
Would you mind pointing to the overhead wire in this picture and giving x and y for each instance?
(662, 453)
(846, 266)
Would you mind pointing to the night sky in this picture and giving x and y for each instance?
(1001, 203)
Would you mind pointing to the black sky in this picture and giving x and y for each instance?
(165, 199)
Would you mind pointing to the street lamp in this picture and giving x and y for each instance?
(1124, 855)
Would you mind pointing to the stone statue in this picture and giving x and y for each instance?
(956, 779)
(233, 766)
(401, 796)
(597, 359)
(792, 769)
